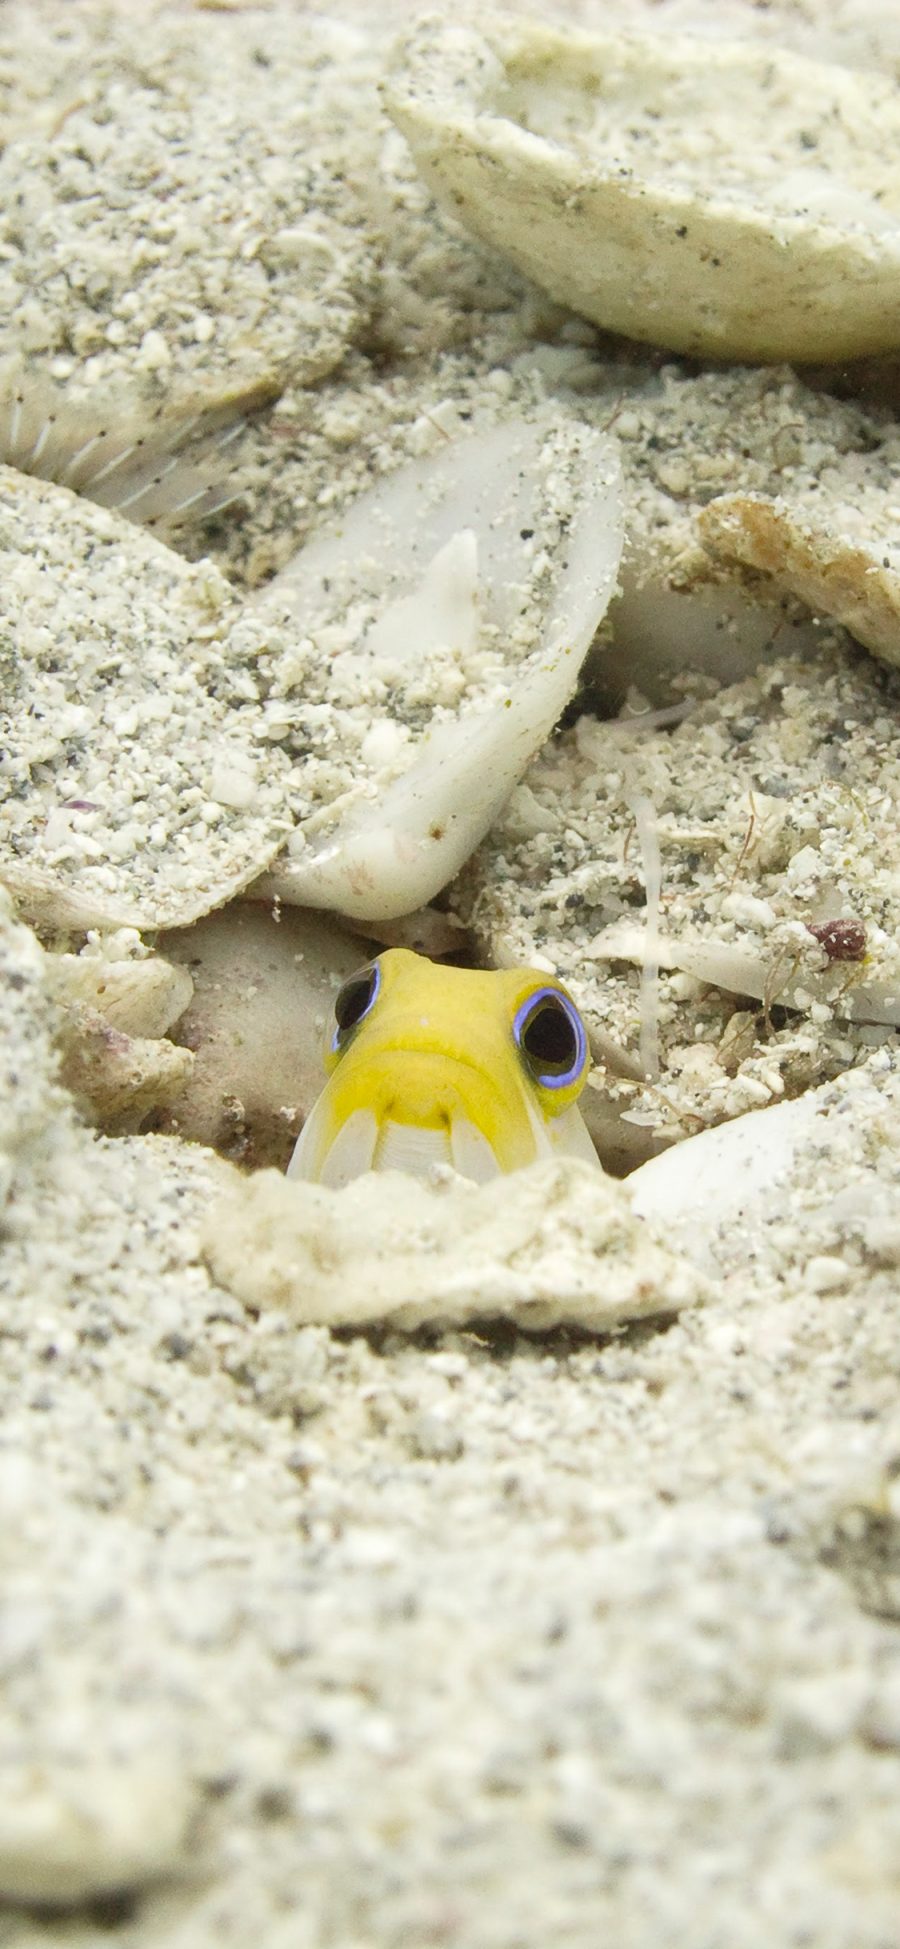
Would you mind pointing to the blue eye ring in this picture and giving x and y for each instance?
(354, 1001)
(551, 1038)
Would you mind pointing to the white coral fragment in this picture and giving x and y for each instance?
(714, 196)
(554, 1244)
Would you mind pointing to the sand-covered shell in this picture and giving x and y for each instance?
(125, 717)
(184, 224)
(374, 707)
(116, 1005)
(723, 1196)
(715, 196)
(263, 984)
(693, 444)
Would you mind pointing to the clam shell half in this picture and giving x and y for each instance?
(717, 197)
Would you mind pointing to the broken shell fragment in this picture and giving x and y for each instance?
(137, 993)
(501, 550)
(715, 196)
(778, 976)
(554, 1244)
(116, 1080)
(838, 559)
(117, 1002)
(123, 693)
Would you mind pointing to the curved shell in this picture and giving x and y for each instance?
(263, 990)
(811, 1178)
(716, 197)
(148, 786)
(507, 542)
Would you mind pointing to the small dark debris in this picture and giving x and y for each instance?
(176, 1346)
(843, 940)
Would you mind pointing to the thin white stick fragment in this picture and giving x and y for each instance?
(82, 454)
(651, 720)
(39, 445)
(648, 840)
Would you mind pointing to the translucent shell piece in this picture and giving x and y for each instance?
(506, 544)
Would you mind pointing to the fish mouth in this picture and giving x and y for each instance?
(365, 1142)
(415, 1148)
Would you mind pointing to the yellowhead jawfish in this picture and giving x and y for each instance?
(437, 1065)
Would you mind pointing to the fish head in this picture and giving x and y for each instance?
(431, 1064)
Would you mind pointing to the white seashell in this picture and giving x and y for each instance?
(145, 788)
(763, 1187)
(715, 626)
(472, 548)
(713, 1178)
(718, 197)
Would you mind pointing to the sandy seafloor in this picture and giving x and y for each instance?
(464, 1640)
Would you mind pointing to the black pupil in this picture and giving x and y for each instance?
(354, 999)
(549, 1039)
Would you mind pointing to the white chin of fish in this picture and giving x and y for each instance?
(362, 1144)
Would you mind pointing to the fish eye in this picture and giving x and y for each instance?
(551, 1036)
(353, 1002)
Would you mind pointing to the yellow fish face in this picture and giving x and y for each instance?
(435, 1065)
